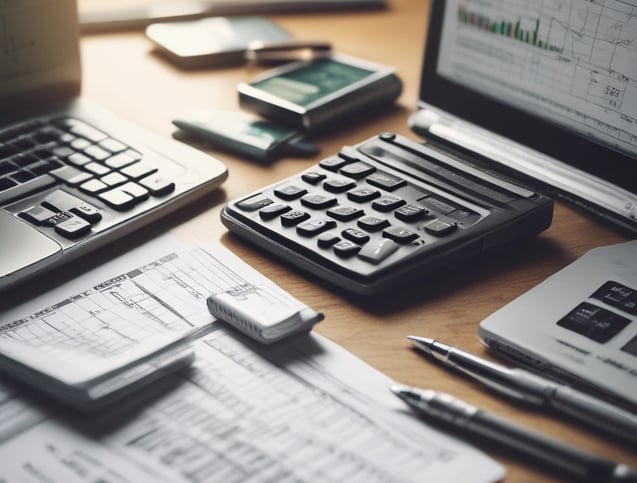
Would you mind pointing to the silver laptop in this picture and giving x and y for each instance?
(544, 91)
(73, 177)
(579, 325)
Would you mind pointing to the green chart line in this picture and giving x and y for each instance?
(506, 28)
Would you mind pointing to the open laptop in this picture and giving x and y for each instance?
(544, 90)
(73, 177)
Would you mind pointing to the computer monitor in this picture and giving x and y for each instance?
(557, 77)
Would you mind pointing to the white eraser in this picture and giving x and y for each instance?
(265, 315)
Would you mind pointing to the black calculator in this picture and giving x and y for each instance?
(388, 212)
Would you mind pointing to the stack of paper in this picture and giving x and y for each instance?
(113, 330)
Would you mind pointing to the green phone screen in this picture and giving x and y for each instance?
(312, 82)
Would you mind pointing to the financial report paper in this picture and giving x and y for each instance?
(303, 411)
(91, 335)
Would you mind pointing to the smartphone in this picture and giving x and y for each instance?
(320, 93)
(214, 41)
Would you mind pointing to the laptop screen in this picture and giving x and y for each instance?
(39, 47)
(557, 76)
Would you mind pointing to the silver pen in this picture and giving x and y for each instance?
(460, 415)
(534, 390)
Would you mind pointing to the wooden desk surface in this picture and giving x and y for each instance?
(121, 73)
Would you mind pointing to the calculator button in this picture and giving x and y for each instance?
(385, 180)
(326, 240)
(254, 202)
(410, 212)
(357, 236)
(346, 248)
(387, 203)
(272, 211)
(345, 213)
(465, 217)
(379, 250)
(294, 217)
(290, 192)
(314, 227)
(357, 170)
(438, 205)
(333, 163)
(313, 177)
(440, 228)
(350, 153)
(362, 195)
(400, 235)
(318, 201)
(373, 223)
(338, 185)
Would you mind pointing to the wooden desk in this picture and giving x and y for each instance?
(121, 73)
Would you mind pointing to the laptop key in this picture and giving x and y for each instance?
(136, 191)
(137, 170)
(30, 186)
(93, 187)
(60, 200)
(157, 185)
(69, 225)
(117, 199)
(37, 215)
(71, 175)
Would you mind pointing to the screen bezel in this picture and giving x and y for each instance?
(525, 128)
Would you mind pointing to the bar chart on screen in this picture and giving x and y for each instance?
(576, 61)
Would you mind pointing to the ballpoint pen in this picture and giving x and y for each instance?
(462, 416)
(534, 390)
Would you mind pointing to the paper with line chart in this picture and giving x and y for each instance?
(135, 312)
(572, 62)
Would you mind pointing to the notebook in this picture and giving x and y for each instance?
(579, 325)
(74, 177)
(545, 91)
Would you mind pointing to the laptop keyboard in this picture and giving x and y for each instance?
(81, 188)
(35, 155)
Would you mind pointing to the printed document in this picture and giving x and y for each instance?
(302, 410)
(129, 322)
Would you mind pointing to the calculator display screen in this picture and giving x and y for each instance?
(312, 82)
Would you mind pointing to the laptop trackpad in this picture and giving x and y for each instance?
(22, 246)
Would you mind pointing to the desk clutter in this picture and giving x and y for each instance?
(180, 362)
(219, 408)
